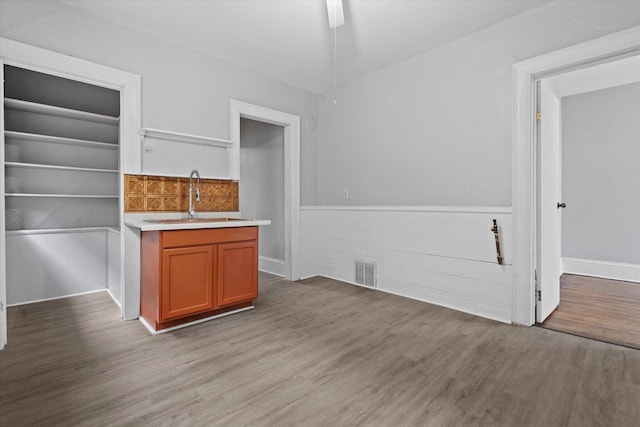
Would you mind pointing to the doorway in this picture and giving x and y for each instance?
(262, 188)
(524, 190)
(291, 147)
(591, 186)
(587, 173)
(585, 56)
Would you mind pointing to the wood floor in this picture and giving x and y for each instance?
(602, 309)
(314, 353)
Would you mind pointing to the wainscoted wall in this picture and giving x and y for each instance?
(147, 193)
(441, 255)
(45, 265)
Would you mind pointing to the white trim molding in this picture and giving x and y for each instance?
(604, 269)
(525, 75)
(291, 124)
(195, 322)
(271, 265)
(451, 209)
(95, 291)
(3, 245)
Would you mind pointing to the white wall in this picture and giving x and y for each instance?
(601, 175)
(436, 129)
(262, 182)
(182, 90)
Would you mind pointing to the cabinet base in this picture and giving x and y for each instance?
(195, 319)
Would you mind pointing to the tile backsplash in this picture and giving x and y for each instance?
(146, 193)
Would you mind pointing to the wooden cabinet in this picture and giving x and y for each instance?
(187, 281)
(191, 274)
(236, 282)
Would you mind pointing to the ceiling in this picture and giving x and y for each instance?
(290, 40)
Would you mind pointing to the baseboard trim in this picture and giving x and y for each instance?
(604, 269)
(453, 304)
(60, 297)
(195, 322)
(271, 265)
(114, 298)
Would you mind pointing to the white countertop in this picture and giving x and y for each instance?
(152, 222)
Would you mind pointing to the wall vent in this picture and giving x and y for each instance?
(366, 273)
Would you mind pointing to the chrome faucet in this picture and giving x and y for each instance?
(192, 208)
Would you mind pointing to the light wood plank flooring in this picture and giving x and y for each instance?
(314, 353)
(602, 309)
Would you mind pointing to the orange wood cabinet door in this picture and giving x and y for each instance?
(187, 281)
(237, 272)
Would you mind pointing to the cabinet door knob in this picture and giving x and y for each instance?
(562, 205)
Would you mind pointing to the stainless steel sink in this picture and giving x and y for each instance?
(192, 220)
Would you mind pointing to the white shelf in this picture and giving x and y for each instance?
(34, 107)
(58, 140)
(62, 196)
(32, 231)
(53, 167)
(184, 137)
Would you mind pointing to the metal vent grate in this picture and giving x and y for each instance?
(366, 273)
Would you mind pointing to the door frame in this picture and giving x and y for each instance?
(128, 84)
(524, 162)
(291, 124)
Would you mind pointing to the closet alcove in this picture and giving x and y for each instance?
(62, 184)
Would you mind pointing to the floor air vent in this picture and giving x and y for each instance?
(366, 273)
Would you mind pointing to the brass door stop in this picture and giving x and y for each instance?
(496, 234)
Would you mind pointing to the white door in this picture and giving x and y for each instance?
(3, 267)
(549, 195)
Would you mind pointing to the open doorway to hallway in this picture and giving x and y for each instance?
(599, 188)
(262, 188)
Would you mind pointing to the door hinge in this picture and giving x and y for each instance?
(538, 116)
(1, 305)
(539, 294)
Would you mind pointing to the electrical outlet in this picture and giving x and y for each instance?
(345, 193)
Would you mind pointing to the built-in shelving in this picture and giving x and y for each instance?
(61, 164)
(51, 110)
(62, 186)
